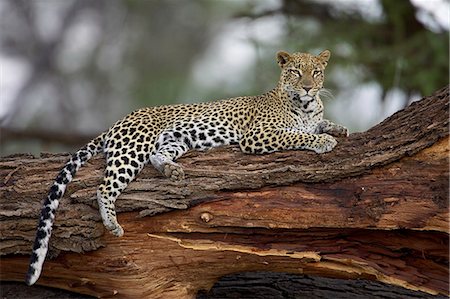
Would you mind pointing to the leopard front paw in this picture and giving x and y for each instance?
(327, 127)
(325, 143)
(338, 131)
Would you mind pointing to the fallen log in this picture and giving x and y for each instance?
(374, 208)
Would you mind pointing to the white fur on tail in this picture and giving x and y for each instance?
(44, 229)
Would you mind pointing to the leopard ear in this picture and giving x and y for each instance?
(283, 58)
(325, 56)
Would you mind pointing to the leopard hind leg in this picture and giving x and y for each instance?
(170, 145)
(123, 165)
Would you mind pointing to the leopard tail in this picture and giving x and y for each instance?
(46, 220)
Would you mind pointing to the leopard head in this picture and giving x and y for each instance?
(302, 74)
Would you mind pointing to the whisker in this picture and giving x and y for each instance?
(326, 94)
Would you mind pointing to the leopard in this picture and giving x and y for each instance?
(288, 117)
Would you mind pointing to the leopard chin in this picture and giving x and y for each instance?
(298, 98)
(306, 98)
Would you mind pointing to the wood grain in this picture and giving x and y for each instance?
(374, 208)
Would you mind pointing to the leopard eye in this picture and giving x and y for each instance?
(295, 73)
(317, 73)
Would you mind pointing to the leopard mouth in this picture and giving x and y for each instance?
(296, 96)
(303, 99)
(306, 98)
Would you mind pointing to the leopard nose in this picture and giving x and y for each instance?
(307, 88)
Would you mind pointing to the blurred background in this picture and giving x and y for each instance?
(71, 68)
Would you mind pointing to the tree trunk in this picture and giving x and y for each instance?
(374, 208)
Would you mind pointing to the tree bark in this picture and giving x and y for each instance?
(374, 208)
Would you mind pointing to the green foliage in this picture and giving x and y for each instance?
(396, 50)
(94, 61)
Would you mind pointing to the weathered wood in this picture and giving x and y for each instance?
(256, 285)
(264, 285)
(376, 208)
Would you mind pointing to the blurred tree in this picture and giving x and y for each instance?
(106, 57)
(90, 62)
(396, 50)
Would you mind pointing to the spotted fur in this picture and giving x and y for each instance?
(290, 116)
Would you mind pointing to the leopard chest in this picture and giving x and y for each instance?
(306, 115)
